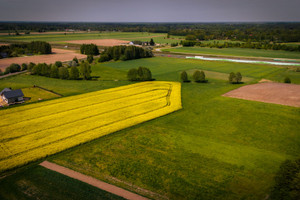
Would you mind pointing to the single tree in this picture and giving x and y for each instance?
(232, 77)
(90, 59)
(63, 73)
(184, 77)
(202, 77)
(152, 43)
(196, 76)
(54, 72)
(74, 73)
(85, 70)
(30, 66)
(238, 77)
(132, 75)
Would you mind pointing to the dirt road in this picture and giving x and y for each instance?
(92, 181)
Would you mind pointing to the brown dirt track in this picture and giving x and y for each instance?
(278, 93)
(57, 55)
(100, 42)
(92, 181)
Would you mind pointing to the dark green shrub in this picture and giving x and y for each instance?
(287, 80)
(63, 73)
(184, 77)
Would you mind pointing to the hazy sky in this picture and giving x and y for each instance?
(150, 10)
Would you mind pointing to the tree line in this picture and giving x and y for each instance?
(139, 74)
(258, 32)
(251, 45)
(58, 70)
(124, 53)
(16, 49)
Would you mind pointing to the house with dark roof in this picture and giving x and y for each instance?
(12, 96)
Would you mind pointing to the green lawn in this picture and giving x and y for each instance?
(37, 94)
(236, 52)
(214, 148)
(40, 183)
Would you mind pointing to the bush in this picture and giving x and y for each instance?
(30, 66)
(85, 70)
(287, 80)
(238, 77)
(74, 73)
(13, 68)
(63, 73)
(104, 58)
(287, 181)
(231, 77)
(58, 64)
(24, 67)
(184, 77)
(90, 59)
(54, 72)
(72, 63)
(132, 75)
(89, 49)
(140, 74)
(75, 59)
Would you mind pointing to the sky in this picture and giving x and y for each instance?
(150, 10)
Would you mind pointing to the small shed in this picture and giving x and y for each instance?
(12, 96)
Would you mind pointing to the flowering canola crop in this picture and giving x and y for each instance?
(33, 131)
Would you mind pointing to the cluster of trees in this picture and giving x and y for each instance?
(35, 47)
(89, 49)
(124, 53)
(275, 32)
(235, 78)
(251, 45)
(198, 77)
(59, 71)
(287, 181)
(139, 74)
(14, 68)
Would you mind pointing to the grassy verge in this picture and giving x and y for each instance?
(40, 183)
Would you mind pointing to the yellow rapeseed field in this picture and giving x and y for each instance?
(33, 131)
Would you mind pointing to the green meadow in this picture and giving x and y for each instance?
(60, 38)
(235, 52)
(214, 148)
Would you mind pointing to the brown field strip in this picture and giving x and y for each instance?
(57, 55)
(277, 93)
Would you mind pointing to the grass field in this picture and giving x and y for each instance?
(31, 184)
(129, 36)
(236, 52)
(40, 129)
(214, 148)
(161, 66)
(38, 94)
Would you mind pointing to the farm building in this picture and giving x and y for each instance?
(12, 96)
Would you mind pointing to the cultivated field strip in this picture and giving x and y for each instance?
(45, 129)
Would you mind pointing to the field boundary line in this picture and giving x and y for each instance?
(92, 181)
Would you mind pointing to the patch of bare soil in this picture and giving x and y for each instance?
(100, 42)
(57, 55)
(278, 93)
(92, 181)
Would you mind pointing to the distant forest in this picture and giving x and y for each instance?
(255, 32)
